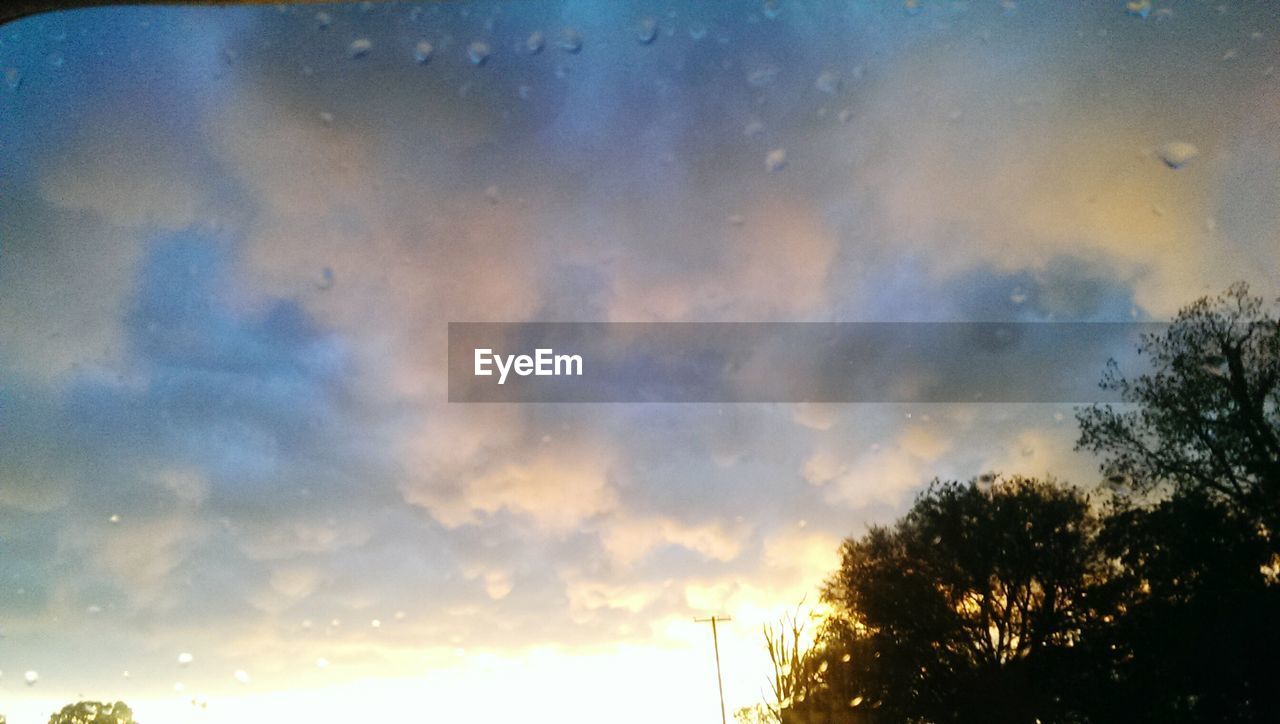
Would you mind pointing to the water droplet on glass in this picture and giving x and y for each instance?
(570, 41)
(845, 115)
(753, 128)
(1138, 8)
(422, 51)
(736, 220)
(535, 43)
(94, 609)
(184, 659)
(762, 76)
(399, 615)
(241, 676)
(1177, 154)
(697, 32)
(772, 9)
(478, 52)
(375, 623)
(647, 31)
(828, 82)
(114, 519)
(1018, 296)
(12, 78)
(179, 686)
(360, 47)
(492, 194)
(322, 663)
(326, 118)
(776, 160)
(912, 7)
(323, 20)
(31, 677)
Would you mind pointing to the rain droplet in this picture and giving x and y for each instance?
(776, 160)
(845, 115)
(360, 47)
(1177, 154)
(94, 609)
(326, 118)
(323, 20)
(31, 677)
(697, 32)
(241, 676)
(322, 663)
(772, 9)
(478, 52)
(762, 76)
(12, 78)
(492, 194)
(179, 686)
(375, 623)
(114, 519)
(422, 51)
(912, 7)
(1018, 296)
(828, 82)
(855, 701)
(648, 31)
(185, 659)
(399, 615)
(753, 128)
(570, 41)
(535, 43)
(1138, 8)
(736, 220)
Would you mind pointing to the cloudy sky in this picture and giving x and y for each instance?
(231, 241)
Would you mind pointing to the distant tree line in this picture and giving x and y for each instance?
(1153, 598)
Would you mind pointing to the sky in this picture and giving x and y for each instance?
(231, 486)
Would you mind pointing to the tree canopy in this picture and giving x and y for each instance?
(94, 712)
(1154, 599)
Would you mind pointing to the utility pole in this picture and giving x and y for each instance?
(715, 641)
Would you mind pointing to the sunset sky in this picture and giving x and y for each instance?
(231, 241)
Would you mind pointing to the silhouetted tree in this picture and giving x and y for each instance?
(1020, 601)
(1194, 548)
(94, 712)
(1206, 418)
(1194, 635)
(971, 607)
